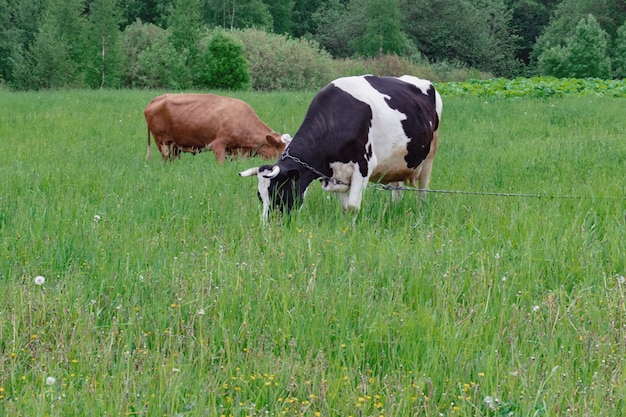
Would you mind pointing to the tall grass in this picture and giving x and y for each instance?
(166, 295)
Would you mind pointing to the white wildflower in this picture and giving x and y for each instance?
(491, 403)
(96, 218)
(39, 280)
(51, 380)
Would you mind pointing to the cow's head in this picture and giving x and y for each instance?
(279, 188)
(274, 144)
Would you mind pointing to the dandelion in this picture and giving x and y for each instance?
(491, 403)
(39, 280)
(96, 218)
(201, 312)
(51, 380)
(535, 309)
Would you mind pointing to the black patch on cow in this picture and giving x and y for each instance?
(283, 191)
(335, 129)
(420, 110)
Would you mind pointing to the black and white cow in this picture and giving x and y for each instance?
(357, 129)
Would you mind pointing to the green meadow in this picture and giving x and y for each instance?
(165, 294)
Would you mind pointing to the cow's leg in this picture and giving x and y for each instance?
(396, 195)
(358, 184)
(427, 166)
(165, 151)
(219, 149)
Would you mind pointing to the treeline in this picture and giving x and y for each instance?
(293, 44)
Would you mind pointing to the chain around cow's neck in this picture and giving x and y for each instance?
(286, 154)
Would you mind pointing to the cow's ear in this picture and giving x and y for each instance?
(273, 139)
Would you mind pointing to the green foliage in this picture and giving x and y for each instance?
(619, 53)
(52, 66)
(554, 61)
(238, 14)
(184, 27)
(104, 56)
(529, 18)
(383, 33)
(487, 36)
(567, 16)
(535, 87)
(281, 63)
(226, 66)
(479, 34)
(165, 294)
(137, 38)
(586, 53)
(281, 11)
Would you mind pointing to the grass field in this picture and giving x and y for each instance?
(165, 295)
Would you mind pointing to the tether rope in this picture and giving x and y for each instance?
(387, 187)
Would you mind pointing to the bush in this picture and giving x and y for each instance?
(281, 63)
(225, 66)
(137, 38)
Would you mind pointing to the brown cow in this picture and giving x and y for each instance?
(196, 122)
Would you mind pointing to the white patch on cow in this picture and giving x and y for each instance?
(342, 172)
(386, 135)
(264, 193)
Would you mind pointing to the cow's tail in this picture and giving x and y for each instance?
(148, 150)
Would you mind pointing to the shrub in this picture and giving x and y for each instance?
(225, 66)
(137, 38)
(281, 63)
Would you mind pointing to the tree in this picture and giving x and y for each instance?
(619, 53)
(588, 51)
(281, 14)
(476, 33)
(585, 55)
(238, 14)
(50, 57)
(136, 39)
(184, 26)
(104, 57)
(58, 51)
(338, 25)
(383, 33)
(568, 13)
(528, 19)
(19, 24)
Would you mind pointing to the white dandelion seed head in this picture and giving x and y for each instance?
(535, 309)
(96, 218)
(39, 280)
(490, 401)
(51, 380)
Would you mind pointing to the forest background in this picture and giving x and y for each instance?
(302, 44)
